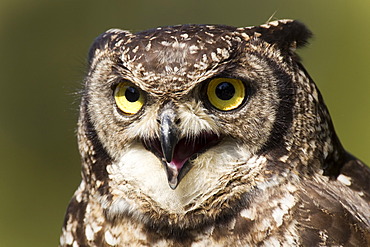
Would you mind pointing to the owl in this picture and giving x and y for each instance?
(211, 135)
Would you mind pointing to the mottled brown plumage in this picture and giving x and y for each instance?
(199, 135)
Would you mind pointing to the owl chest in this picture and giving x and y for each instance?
(246, 227)
(239, 231)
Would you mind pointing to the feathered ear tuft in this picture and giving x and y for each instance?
(107, 41)
(286, 34)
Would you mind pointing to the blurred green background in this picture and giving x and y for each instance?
(43, 45)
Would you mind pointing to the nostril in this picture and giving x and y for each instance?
(158, 121)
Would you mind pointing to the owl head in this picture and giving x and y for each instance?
(173, 118)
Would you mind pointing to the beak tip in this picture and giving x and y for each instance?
(173, 186)
(173, 182)
(172, 176)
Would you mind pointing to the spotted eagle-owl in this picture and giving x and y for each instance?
(211, 135)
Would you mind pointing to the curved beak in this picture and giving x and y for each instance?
(169, 137)
(169, 133)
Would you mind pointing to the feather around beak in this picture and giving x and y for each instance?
(175, 153)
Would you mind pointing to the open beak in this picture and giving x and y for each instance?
(174, 152)
(168, 138)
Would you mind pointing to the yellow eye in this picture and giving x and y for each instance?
(226, 93)
(129, 98)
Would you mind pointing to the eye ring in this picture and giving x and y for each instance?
(128, 97)
(226, 94)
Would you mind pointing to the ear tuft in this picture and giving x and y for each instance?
(107, 41)
(286, 34)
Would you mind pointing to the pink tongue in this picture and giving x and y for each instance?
(185, 148)
(183, 151)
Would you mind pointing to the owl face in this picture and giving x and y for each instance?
(178, 109)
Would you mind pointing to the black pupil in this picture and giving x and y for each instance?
(225, 90)
(132, 94)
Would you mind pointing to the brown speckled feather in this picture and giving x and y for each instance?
(203, 135)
